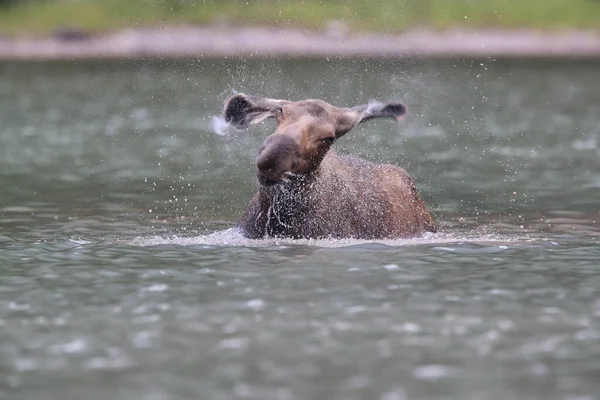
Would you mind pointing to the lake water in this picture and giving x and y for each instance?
(121, 278)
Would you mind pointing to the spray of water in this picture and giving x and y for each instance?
(374, 105)
(219, 125)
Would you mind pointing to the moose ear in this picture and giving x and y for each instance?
(242, 110)
(350, 117)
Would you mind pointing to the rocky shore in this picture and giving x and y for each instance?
(257, 41)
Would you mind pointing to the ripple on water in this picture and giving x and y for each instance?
(433, 372)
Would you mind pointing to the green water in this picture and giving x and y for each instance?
(121, 278)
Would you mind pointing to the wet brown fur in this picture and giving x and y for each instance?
(308, 191)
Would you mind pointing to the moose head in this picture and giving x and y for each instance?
(305, 131)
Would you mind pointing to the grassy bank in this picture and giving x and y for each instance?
(40, 17)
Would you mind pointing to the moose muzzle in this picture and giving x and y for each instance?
(277, 157)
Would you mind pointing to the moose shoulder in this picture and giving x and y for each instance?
(308, 191)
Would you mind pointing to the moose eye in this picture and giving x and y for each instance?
(328, 140)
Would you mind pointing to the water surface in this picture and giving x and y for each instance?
(122, 278)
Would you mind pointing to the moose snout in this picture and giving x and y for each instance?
(275, 158)
(266, 164)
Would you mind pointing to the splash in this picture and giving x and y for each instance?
(233, 238)
(374, 106)
(219, 125)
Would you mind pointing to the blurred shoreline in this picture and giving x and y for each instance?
(216, 42)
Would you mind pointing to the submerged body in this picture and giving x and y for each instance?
(347, 197)
(308, 191)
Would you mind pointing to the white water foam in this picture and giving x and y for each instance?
(233, 238)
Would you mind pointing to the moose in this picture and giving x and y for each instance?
(308, 191)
